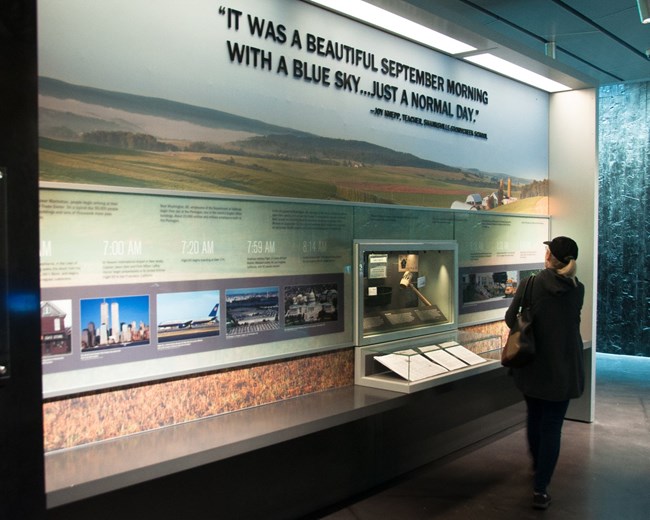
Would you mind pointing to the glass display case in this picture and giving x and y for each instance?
(414, 364)
(406, 317)
(404, 289)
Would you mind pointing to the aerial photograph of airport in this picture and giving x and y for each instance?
(251, 310)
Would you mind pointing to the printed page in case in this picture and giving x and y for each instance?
(465, 354)
(411, 368)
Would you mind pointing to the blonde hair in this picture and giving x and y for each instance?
(567, 270)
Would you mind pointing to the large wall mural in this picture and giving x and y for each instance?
(279, 98)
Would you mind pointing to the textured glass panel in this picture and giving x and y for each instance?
(623, 323)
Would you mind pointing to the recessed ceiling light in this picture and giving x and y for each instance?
(396, 24)
(391, 22)
(496, 64)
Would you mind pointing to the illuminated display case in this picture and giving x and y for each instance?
(404, 289)
(406, 310)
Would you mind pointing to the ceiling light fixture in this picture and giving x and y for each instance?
(395, 24)
(391, 22)
(644, 10)
(496, 64)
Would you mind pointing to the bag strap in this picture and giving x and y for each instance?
(529, 284)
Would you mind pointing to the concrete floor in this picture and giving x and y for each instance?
(603, 471)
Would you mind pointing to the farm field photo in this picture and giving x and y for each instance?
(96, 137)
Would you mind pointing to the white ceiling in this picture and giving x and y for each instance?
(596, 41)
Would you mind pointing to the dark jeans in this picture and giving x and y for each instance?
(544, 429)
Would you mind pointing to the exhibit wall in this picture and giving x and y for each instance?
(624, 219)
(199, 199)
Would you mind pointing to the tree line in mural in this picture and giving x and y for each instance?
(127, 141)
(535, 189)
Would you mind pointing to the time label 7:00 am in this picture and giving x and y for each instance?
(122, 247)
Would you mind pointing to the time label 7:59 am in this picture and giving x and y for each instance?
(256, 247)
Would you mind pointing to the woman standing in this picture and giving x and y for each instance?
(556, 375)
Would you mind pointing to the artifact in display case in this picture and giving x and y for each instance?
(404, 289)
(406, 326)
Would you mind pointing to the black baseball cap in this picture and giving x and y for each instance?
(563, 248)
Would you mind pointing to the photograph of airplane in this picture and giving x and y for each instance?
(187, 315)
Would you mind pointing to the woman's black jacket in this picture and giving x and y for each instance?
(557, 373)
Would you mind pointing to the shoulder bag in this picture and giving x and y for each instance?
(519, 349)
